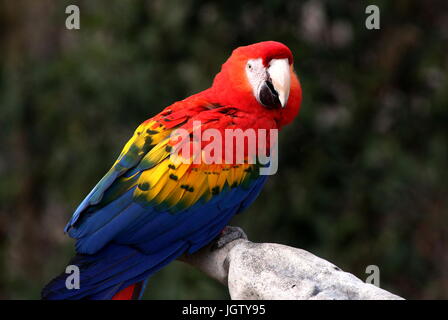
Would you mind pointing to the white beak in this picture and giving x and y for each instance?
(281, 79)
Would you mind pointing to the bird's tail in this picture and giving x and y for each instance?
(116, 272)
(132, 292)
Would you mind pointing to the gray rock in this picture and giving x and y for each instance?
(273, 271)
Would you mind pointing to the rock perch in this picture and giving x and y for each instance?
(274, 271)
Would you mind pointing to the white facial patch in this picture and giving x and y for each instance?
(256, 74)
(278, 72)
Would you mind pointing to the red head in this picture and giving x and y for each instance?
(260, 78)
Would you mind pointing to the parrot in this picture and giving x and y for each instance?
(150, 208)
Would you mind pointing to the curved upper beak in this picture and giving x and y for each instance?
(279, 72)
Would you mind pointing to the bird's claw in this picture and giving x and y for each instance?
(227, 235)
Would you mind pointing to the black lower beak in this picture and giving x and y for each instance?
(268, 96)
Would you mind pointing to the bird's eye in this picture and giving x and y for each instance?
(249, 66)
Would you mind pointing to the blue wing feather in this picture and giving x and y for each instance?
(162, 237)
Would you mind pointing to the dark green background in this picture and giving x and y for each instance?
(363, 171)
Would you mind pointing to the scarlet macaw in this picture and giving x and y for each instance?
(147, 210)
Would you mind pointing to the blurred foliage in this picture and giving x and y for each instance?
(363, 173)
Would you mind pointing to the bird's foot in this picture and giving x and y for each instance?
(227, 235)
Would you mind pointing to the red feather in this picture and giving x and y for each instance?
(129, 293)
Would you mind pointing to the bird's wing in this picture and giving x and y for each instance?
(149, 200)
